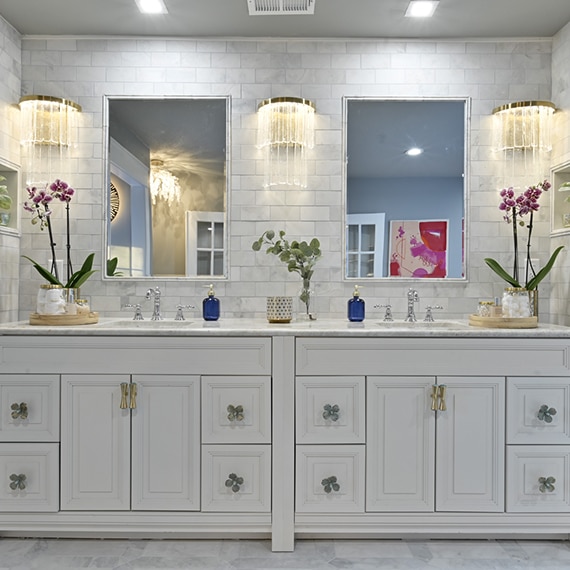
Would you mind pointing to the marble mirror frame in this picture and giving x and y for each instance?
(383, 242)
(199, 159)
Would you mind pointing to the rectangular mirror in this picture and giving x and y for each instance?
(167, 179)
(405, 191)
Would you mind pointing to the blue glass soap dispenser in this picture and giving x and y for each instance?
(356, 307)
(211, 306)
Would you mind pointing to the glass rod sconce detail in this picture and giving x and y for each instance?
(48, 130)
(286, 129)
(163, 184)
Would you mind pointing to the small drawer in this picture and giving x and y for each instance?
(29, 477)
(330, 479)
(330, 409)
(236, 478)
(236, 409)
(29, 407)
(538, 479)
(538, 411)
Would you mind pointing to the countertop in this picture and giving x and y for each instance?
(260, 327)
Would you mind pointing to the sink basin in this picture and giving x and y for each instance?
(147, 324)
(424, 324)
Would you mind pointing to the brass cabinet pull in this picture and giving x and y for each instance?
(133, 400)
(124, 394)
(545, 413)
(330, 484)
(434, 397)
(234, 482)
(331, 412)
(546, 484)
(235, 413)
(17, 481)
(442, 406)
(19, 411)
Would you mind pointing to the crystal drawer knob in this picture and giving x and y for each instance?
(331, 412)
(17, 481)
(545, 414)
(546, 484)
(234, 482)
(235, 413)
(19, 411)
(330, 484)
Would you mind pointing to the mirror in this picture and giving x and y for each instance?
(405, 212)
(167, 183)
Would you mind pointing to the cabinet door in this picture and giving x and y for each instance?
(400, 444)
(95, 443)
(166, 443)
(470, 438)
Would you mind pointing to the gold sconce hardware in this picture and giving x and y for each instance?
(19, 411)
(124, 394)
(442, 390)
(434, 397)
(133, 401)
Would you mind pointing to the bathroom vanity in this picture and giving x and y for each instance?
(317, 429)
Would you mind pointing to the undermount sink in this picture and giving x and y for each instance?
(424, 324)
(147, 324)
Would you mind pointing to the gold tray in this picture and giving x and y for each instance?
(64, 320)
(503, 322)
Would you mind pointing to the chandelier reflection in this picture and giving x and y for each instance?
(163, 184)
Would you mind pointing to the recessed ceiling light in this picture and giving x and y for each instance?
(414, 151)
(421, 8)
(152, 6)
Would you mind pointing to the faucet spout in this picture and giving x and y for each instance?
(413, 297)
(154, 294)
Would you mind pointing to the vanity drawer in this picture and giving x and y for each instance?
(236, 478)
(320, 468)
(29, 407)
(330, 409)
(538, 410)
(33, 469)
(538, 479)
(236, 409)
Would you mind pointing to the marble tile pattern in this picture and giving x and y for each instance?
(56, 554)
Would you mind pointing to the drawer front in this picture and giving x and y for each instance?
(236, 478)
(330, 409)
(330, 479)
(29, 477)
(29, 407)
(236, 409)
(538, 479)
(538, 410)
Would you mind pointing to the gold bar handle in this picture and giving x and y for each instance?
(124, 393)
(434, 397)
(133, 402)
(442, 407)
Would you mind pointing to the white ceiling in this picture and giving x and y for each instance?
(332, 18)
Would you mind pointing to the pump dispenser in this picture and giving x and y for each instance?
(211, 306)
(356, 307)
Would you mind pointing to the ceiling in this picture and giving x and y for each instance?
(332, 18)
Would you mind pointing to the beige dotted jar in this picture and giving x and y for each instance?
(279, 309)
(485, 308)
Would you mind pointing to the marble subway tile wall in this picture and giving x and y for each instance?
(490, 73)
(10, 70)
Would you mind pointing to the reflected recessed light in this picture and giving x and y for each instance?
(414, 151)
(152, 6)
(421, 8)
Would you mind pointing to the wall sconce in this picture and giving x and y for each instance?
(163, 184)
(48, 130)
(286, 128)
(522, 131)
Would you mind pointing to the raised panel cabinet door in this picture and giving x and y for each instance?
(538, 479)
(29, 407)
(166, 443)
(330, 409)
(538, 410)
(95, 443)
(470, 436)
(237, 409)
(400, 444)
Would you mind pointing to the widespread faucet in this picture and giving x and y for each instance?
(413, 297)
(155, 295)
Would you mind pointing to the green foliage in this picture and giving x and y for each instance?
(112, 267)
(5, 199)
(75, 281)
(300, 257)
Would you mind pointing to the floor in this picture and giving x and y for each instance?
(56, 554)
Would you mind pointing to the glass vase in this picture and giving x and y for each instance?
(307, 302)
(516, 303)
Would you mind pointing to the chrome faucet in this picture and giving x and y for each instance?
(412, 298)
(155, 295)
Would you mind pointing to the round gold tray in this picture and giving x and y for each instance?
(64, 320)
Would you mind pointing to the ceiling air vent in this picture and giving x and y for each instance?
(281, 7)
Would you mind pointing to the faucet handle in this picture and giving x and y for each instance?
(138, 313)
(429, 316)
(388, 314)
(179, 312)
